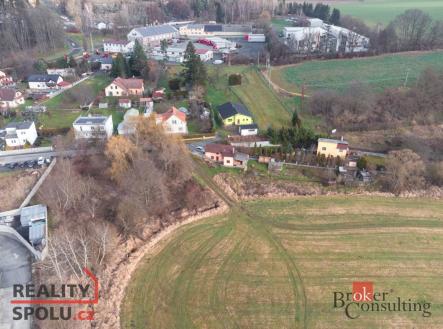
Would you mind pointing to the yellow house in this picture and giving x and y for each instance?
(332, 147)
(234, 114)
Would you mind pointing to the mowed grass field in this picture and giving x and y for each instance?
(378, 72)
(276, 264)
(265, 106)
(384, 11)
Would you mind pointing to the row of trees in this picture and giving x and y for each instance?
(320, 10)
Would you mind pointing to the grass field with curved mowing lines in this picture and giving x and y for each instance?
(275, 264)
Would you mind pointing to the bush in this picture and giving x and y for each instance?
(174, 84)
(234, 79)
(362, 163)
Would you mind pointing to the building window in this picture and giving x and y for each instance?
(323, 148)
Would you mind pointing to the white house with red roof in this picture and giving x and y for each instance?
(125, 87)
(173, 121)
(6, 80)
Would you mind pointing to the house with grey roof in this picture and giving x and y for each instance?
(44, 81)
(152, 35)
(93, 127)
(17, 134)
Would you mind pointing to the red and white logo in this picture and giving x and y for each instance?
(362, 292)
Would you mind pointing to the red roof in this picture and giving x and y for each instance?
(124, 100)
(129, 83)
(225, 150)
(7, 94)
(173, 111)
(342, 146)
(201, 51)
(63, 84)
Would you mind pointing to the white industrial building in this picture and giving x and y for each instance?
(93, 127)
(118, 46)
(152, 35)
(324, 38)
(176, 52)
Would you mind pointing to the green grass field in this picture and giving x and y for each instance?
(275, 264)
(265, 106)
(379, 72)
(384, 11)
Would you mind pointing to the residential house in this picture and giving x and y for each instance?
(152, 35)
(234, 114)
(118, 46)
(236, 160)
(6, 80)
(124, 103)
(226, 155)
(64, 72)
(105, 62)
(332, 148)
(173, 121)
(125, 87)
(158, 95)
(18, 134)
(10, 98)
(93, 127)
(129, 123)
(44, 81)
(217, 152)
(248, 130)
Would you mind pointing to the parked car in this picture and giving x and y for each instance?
(41, 161)
(200, 149)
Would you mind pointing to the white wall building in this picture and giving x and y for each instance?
(93, 127)
(248, 130)
(65, 72)
(176, 52)
(10, 98)
(118, 46)
(152, 35)
(173, 121)
(44, 81)
(20, 133)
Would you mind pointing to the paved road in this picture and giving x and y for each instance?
(33, 156)
(194, 145)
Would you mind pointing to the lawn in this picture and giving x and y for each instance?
(379, 72)
(96, 84)
(384, 11)
(265, 106)
(277, 263)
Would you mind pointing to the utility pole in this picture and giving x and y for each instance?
(406, 79)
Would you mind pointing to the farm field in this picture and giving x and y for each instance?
(378, 72)
(265, 106)
(384, 11)
(276, 264)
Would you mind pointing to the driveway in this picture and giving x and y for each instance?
(194, 145)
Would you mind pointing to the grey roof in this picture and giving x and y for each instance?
(33, 213)
(148, 31)
(251, 126)
(195, 26)
(37, 232)
(10, 136)
(213, 28)
(20, 125)
(101, 59)
(43, 77)
(90, 120)
(229, 109)
(329, 140)
(241, 156)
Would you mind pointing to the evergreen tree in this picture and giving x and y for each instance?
(335, 17)
(194, 72)
(138, 60)
(119, 67)
(164, 50)
(219, 13)
(72, 62)
(295, 120)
